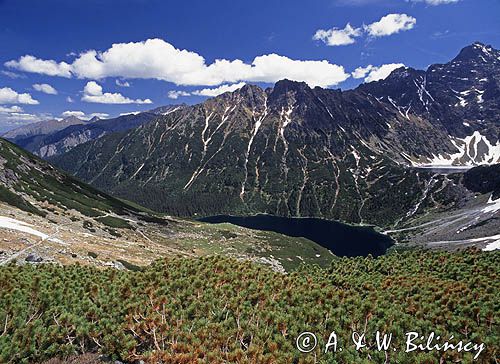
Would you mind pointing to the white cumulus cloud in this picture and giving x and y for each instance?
(93, 93)
(373, 73)
(210, 92)
(273, 67)
(32, 64)
(158, 59)
(122, 83)
(17, 117)
(361, 72)
(10, 109)
(338, 37)
(11, 116)
(69, 113)
(435, 2)
(100, 115)
(45, 88)
(390, 24)
(82, 115)
(218, 90)
(12, 75)
(9, 96)
(175, 94)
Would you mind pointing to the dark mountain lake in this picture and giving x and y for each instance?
(341, 239)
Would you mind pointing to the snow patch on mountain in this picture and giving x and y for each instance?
(493, 246)
(473, 150)
(467, 96)
(492, 205)
(13, 224)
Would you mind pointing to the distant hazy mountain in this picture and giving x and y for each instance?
(54, 141)
(293, 150)
(66, 139)
(41, 128)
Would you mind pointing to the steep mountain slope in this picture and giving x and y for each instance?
(167, 109)
(467, 212)
(38, 188)
(296, 151)
(462, 97)
(46, 215)
(275, 150)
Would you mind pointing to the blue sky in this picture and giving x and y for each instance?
(59, 57)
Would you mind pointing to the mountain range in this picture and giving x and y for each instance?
(292, 150)
(49, 138)
(395, 153)
(40, 128)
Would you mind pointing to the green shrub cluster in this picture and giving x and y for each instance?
(15, 200)
(218, 310)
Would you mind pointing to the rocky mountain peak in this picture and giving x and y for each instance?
(404, 73)
(251, 96)
(286, 85)
(94, 119)
(478, 52)
(248, 91)
(286, 92)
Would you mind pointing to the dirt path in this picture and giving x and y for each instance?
(15, 255)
